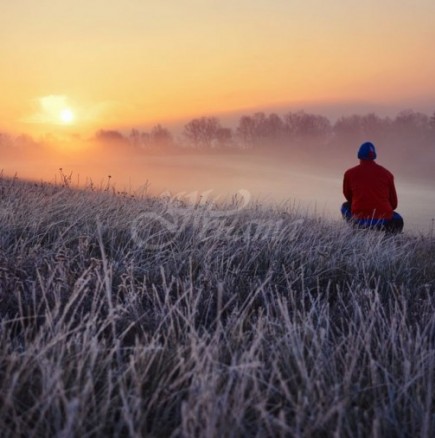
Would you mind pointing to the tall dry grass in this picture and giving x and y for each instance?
(247, 322)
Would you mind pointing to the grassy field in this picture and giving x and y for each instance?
(136, 316)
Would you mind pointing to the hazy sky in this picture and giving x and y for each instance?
(121, 63)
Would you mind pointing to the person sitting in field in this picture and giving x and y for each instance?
(371, 194)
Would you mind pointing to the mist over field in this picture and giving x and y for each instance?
(296, 158)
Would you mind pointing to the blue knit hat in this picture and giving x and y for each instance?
(367, 151)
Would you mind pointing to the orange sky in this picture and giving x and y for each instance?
(124, 63)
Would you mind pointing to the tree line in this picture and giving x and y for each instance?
(261, 131)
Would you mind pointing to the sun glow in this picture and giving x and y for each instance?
(67, 116)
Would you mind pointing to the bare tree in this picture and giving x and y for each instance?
(161, 137)
(301, 124)
(110, 136)
(411, 129)
(259, 129)
(203, 132)
(275, 126)
(349, 129)
(245, 131)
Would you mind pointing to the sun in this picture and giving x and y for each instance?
(67, 116)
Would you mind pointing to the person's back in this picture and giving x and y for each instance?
(370, 189)
(370, 193)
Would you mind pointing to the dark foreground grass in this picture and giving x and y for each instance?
(127, 316)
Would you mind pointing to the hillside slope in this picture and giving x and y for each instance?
(125, 315)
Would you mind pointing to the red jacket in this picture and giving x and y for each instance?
(370, 190)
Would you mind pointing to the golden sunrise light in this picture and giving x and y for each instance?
(67, 116)
(148, 62)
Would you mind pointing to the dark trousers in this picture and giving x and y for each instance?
(393, 225)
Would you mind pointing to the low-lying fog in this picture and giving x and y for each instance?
(267, 179)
